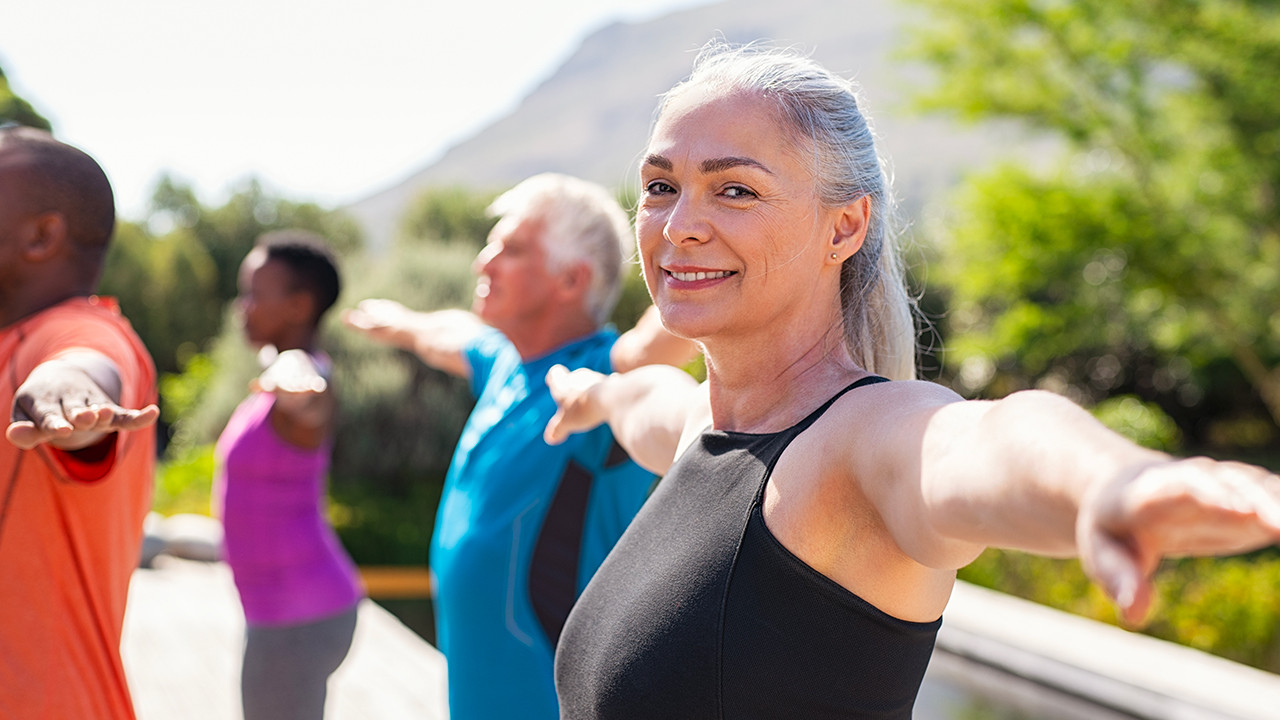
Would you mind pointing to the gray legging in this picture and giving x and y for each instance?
(286, 669)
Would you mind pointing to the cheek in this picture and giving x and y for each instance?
(649, 224)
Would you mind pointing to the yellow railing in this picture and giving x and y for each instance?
(390, 582)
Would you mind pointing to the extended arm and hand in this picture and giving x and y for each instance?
(647, 409)
(438, 338)
(1035, 472)
(72, 402)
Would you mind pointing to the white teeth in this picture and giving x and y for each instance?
(691, 276)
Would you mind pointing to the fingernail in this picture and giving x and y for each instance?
(1126, 589)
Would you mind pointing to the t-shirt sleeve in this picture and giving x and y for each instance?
(480, 354)
(63, 335)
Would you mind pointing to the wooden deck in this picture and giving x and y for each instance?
(183, 635)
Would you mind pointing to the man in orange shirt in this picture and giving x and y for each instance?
(76, 467)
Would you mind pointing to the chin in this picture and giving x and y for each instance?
(688, 323)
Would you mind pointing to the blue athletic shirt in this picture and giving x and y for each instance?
(521, 528)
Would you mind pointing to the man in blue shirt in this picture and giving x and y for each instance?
(523, 525)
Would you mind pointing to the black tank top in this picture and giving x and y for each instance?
(699, 612)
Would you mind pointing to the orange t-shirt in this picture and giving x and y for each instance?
(70, 529)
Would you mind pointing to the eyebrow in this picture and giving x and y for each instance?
(712, 165)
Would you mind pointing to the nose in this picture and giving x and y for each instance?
(685, 223)
(485, 256)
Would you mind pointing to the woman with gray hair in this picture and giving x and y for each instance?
(796, 559)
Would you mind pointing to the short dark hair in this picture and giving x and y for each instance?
(310, 261)
(66, 180)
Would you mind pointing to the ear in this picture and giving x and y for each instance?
(575, 280)
(849, 230)
(301, 307)
(43, 236)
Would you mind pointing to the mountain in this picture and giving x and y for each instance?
(592, 116)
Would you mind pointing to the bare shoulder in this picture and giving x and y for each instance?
(697, 418)
(895, 399)
(874, 427)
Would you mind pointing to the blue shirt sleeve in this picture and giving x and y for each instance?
(481, 354)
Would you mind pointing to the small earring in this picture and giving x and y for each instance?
(833, 256)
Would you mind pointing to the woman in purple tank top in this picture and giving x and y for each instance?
(297, 585)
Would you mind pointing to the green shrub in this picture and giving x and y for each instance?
(1142, 422)
(183, 482)
(1229, 607)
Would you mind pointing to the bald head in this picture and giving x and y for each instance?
(57, 215)
(61, 179)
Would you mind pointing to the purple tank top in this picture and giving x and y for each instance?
(287, 561)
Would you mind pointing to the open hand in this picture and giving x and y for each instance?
(62, 403)
(1194, 506)
(578, 408)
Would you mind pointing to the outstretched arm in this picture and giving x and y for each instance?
(438, 338)
(649, 343)
(1035, 472)
(648, 409)
(71, 403)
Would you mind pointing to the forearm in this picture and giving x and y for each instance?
(437, 338)
(647, 409)
(1013, 473)
(440, 338)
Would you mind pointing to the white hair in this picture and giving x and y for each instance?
(822, 110)
(581, 222)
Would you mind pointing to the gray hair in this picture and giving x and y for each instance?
(581, 221)
(822, 110)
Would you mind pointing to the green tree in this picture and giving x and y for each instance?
(166, 286)
(448, 215)
(1148, 258)
(228, 232)
(17, 110)
(176, 271)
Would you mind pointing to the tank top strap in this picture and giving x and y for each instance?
(822, 409)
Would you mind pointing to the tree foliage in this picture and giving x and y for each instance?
(448, 215)
(175, 271)
(1147, 259)
(15, 109)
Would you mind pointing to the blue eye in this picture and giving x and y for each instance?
(737, 192)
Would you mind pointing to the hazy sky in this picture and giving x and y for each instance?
(323, 100)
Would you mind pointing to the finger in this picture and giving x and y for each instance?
(90, 417)
(1113, 567)
(136, 419)
(1135, 615)
(553, 434)
(556, 375)
(1263, 496)
(25, 434)
(356, 319)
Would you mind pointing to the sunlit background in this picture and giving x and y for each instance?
(325, 101)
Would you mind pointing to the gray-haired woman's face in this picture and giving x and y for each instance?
(730, 230)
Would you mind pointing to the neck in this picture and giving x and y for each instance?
(772, 383)
(532, 340)
(304, 340)
(14, 309)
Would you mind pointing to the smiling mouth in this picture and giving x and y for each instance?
(692, 276)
